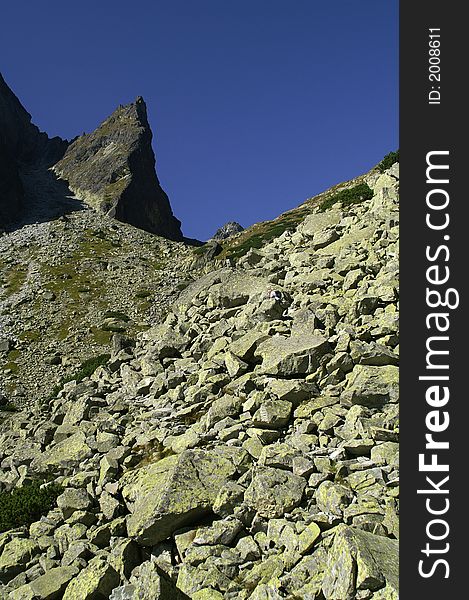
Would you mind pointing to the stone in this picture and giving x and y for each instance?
(96, 580)
(15, 555)
(359, 447)
(207, 594)
(108, 469)
(245, 346)
(372, 386)
(268, 570)
(72, 500)
(319, 221)
(333, 498)
(248, 549)
(290, 356)
(125, 556)
(77, 549)
(272, 414)
(323, 238)
(274, 492)
(71, 450)
(149, 582)
(309, 408)
(291, 390)
(220, 532)
(101, 536)
(359, 560)
(226, 406)
(52, 584)
(228, 498)
(308, 537)
(109, 505)
(386, 453)
(234, 365)
(173, 492)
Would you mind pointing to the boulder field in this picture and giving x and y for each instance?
(245, 447)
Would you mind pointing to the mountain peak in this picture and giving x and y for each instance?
(113, 170)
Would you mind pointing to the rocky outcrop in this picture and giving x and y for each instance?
(229, 229)
(21, 145)
(245, 447)
(113, 170)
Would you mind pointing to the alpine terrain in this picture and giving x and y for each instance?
(177, 421)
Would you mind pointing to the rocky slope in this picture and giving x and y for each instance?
(67, 285)
(113, 170)
(246, 446)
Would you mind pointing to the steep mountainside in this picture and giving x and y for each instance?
(246, 446)
(22, 146)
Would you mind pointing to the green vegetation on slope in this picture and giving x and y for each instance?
(354, 195)
(24, 505)
(388, 161)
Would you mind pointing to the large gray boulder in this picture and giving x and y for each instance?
(173, 492)
(298, 354)
(359, 560)
(96, 580)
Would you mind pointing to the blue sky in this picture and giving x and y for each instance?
(255, 105)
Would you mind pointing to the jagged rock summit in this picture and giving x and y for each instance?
(113, 170)
(228, 229)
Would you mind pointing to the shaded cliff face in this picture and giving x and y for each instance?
(113, 170)
(21, 145)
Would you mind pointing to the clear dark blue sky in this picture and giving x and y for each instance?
(255, 105)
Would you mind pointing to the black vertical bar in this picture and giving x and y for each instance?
(433, 120)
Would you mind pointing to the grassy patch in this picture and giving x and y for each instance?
(113, 328)
(30, 335)
(200, 250)
(388, 161)
(116, 314)
(354, 195)
(12, 366)
(13, 354)
(15, 278)
(263, 233)
(23, 506)
(143, 293)
(100, 337)
(9, 407)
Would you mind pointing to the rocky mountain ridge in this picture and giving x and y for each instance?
(112, 170)
(247, 445)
